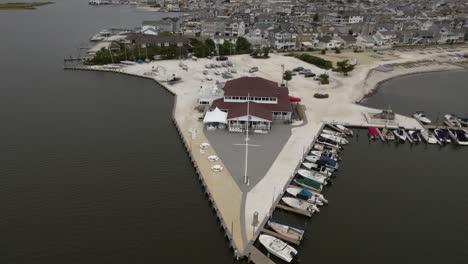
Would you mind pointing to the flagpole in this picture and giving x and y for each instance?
(246, 179)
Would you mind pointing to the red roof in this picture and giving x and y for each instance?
(255, 86)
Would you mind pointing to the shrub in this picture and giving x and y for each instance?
(319, 62)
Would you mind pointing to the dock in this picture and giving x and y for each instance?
(294, 210)
(280, 236)
(257, 257)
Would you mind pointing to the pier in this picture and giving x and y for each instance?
(257, 257)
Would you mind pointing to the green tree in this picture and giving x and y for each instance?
(324, 78)
(227, 48)
(316, 17)
(266, 51)
(344, 67)
(287, 76)
(209, 43)
(323, 52)
(243, 46)
(337, 50)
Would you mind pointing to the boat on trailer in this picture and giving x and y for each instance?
(421, 117)
(300, 204)
(290, 231)
(278, 248)
(305, 194)
(309, 184)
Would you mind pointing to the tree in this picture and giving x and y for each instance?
(350, 32)
(287, 76)
(227, 48)
(344, 67)
(266, 51)
(324, 51)
(243, 46)
(324, 78)
(337, 50)
(316, 17)
(209, 43)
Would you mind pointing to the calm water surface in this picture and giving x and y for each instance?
(92, 170)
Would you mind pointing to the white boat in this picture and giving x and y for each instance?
(322, 147)
(452, 120)
(328, 172)
(97, 38)
(292, 232)
(333, 133)
(442, 135)
(329, 144)
(421, 116)
(400, 134)
(325, 153)
(429, 137)
(346, 130)
(300, 204)
(462, 137)
(463, 121)
(313, 176)
(414, 135)
(336, 139)
(315, 198)
(278, 248)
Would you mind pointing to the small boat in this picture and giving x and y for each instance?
(290, 231)
(317, 168)
(305, 194)
(429, 137)
(345, 130)
(421, 117)
(452, 120)
(300, 204)
(309, 184)
(415, 135)
(463, 121)
(324, 153)
(453, 135)
(322, 147)
(333, 133)
(97, 38)
(278, 248)
(335, 139)
(462, 137)
(313, 176)
(323, 161)
(373, 132)
(329, 143)
(442, 135)
(400, 134)
(387, 134)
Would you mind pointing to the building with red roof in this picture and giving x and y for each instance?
(254, 101)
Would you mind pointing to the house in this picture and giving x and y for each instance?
(234, 28)
(385, 37)
(162, 41)
(149, 30)
(282, 39)
(327, 42)
(365, 41)
(254, 102)
(212, 27)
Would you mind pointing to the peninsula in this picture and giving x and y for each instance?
(22, 5)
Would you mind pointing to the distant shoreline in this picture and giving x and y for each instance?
(23, 5)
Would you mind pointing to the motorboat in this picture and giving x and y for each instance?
(322, 147)
(415, 135)
(309, 184)
(453, 135)
(421, 117)
(463, 121)
(329, 143)
(345, 130)
(451, 120)
(400, 134)
(278, 248)
(300, 204)
(387, 134)
(442, 135)
(333, 133)
(324, 153)
(462, 137)
(313, 176)
(317, 168)
(335, 139)
(305, 194)
(323, 161)
(427, 136)
(293, 232)
(97, 38)
(373, 132)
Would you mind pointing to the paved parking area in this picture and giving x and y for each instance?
(265, 148)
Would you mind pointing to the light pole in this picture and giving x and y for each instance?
(282, 74)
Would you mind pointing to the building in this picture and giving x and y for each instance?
(268, 102)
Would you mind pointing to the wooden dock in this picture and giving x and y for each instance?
(257, 257)
(294, 210)
(282, 237)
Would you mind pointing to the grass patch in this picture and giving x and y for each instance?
(22, 6)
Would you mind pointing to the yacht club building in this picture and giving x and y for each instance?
(267, 102)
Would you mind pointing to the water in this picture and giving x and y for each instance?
(92, 170)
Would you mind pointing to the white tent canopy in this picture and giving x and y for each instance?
(215, 116)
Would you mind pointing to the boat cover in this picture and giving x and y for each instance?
(304, 194)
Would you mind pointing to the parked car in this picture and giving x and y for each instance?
(209, 78)
(205, 72)
(229, 63)
(298, 69)
(221, 58)
(309, 74)
(253, 69)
